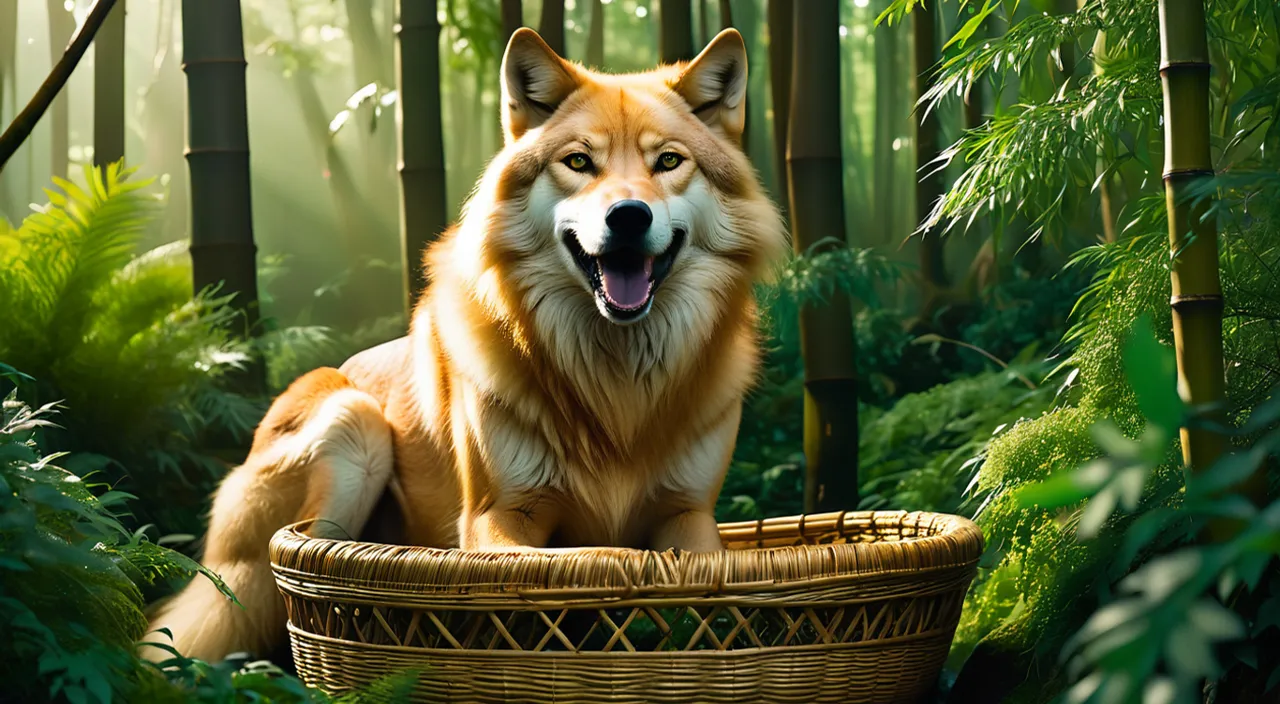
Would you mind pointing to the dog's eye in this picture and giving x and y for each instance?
(578, 162)
(669, 161)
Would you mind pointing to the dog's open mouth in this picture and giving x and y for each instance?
(624, 280)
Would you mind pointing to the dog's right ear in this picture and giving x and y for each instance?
(534, 83)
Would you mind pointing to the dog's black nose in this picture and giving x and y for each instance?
(629, 219)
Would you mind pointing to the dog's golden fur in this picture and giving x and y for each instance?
(517, 414)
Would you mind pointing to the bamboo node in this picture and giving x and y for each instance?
(196, 151)
(237, 60)
(1197, 64)
(1190, 173)
(1183, 301)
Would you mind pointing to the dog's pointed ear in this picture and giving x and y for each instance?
(715, 84)
(534, 83)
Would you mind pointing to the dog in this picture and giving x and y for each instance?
(574, 371)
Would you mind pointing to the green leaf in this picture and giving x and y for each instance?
(1229, 471)
(1096, 513)
(1152, 372)
(1145, 529)
(962, 35)
(1058, 490)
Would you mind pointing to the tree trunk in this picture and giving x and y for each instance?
(62, 25)
(703, 23)
(8, 52)
(933, 268)
(376, 146)
(1105, 196)
(222, 248)
(779, 21)
(974, 98)
(163, 118)
(1063, 66)
(675, 38)
(423, 203)
(817, 215)
(889, 114)
(8, 77)
(595, 36)
(108, 88)
(365, 45)
(551, 25)
(748, 20)
(353, 211)
(512, 18)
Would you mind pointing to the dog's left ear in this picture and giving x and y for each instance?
(534, 83)
(715, 84)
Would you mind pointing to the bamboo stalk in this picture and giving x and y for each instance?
(779, 19)
(675, 37)
(62, 26)
(817, 214)
(108, 89)
(551, 25)
(888, 123)
(726, 14)
(423, 205)
(702, 23)
(1106, 201)
(512, 18)
(222, 246)
(933, 268)
(26, 121)
(1197, 291)
(595, 36)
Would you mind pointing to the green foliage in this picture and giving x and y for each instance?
(766, 476)
(926, 409)
(69, 612)
(814, 277)
(120, 338)
(1042, 579)
(1157, 637)
(295, 349)
(70, 603)
(1041, 157)
(1051, 561)
(918, 454)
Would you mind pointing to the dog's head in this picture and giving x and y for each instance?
(626, 196)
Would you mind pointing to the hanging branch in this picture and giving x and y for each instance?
(26, 121)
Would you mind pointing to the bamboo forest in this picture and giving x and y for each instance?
(1009, 413)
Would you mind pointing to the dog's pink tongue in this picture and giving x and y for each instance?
(627, 287)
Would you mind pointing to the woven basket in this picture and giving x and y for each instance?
(839, 607)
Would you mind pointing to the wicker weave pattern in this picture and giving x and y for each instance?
(841, 607)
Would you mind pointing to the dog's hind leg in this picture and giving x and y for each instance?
(323, 452)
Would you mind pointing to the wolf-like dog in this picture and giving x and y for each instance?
(575, 370)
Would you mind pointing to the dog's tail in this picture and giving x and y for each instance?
(323, 451)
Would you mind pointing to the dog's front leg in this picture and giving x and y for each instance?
(527, 525)
(693, 485)
(504, 466)
(693, 530)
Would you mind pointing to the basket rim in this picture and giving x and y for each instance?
(920, 545)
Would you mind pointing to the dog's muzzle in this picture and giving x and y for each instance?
(624, 275)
